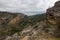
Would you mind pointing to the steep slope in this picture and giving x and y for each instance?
(7, 18)
(10, 23)
(53, 17)
(34, 32)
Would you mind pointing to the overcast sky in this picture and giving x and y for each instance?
(28, 7)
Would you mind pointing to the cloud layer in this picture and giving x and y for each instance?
(26, 6)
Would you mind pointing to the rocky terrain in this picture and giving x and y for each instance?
(15, 26)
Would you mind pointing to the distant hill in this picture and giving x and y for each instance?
(40, 17)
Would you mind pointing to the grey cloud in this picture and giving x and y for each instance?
(25, 5)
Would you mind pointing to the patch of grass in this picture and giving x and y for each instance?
(57, 38)
(13, 29)
(3, 33)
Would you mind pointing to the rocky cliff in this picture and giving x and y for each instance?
(9, 22)
(53, 17)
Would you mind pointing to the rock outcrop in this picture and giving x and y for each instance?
(7, 18)
(32, 33)
(53, 15)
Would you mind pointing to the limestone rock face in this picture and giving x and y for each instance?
(35, 32)
(52, 18)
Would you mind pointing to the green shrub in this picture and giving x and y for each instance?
(14, 29)
(3, 33)
(57, 38)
